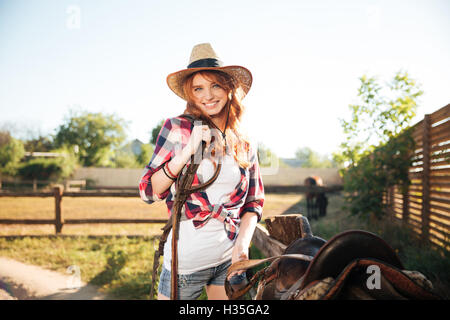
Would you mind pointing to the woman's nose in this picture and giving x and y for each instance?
(208, 94)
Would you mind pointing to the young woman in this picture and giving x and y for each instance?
(217, 223)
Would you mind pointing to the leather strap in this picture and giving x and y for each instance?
(184, 189)
(247, 264)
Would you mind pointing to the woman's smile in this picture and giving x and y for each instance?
(211, 104)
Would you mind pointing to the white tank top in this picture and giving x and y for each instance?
(209, 245)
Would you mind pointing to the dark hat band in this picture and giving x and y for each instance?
(205, 63)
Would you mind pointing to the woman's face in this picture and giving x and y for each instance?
(208, 95)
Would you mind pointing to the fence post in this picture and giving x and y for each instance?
(59, 221)
(426, 178)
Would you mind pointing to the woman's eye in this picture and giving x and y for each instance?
(197, 89)
(216, 86)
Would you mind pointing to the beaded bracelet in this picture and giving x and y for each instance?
(163, 168)
(170, 172)
(169, 175)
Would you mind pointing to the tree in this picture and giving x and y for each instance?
(267, 158)
(11, 152)
(381, 114)
(93, 135)
(49, 168)
(155, 132)
(39, 144)
(143, 158)
(378, 143)
(41, 169)
(312, 159)
(123, 159)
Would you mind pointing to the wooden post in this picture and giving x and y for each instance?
(266, 244)
(287, 228)
(426, 178)
(59, 221)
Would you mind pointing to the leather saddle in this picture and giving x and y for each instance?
(358, 265)
(354, 264)
(286, 271)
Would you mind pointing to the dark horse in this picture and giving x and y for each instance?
(315, 200)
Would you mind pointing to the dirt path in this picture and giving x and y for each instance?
(23, 282)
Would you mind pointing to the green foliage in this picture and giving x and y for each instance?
(144, 156)
(49, 169)
(41, 169)
(311, 159)
(156, 131)
(123, 159)
(11, 151)
(381, 114)
(94, 135)
(377, 146)
(367, 182)
(267, 158)
(68, 162)
(40, 144)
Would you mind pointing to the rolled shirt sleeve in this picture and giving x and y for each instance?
(170, 140)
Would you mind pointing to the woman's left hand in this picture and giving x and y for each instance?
(240, 249)
(239, 253)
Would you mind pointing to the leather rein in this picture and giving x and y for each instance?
(184, 189)
(268, 273)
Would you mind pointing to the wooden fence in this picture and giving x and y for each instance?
(59, 220)
(268, 245)
(58, 194)
(425, 206)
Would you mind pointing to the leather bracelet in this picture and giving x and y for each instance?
(171, 178)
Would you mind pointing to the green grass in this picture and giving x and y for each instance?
(120, 266)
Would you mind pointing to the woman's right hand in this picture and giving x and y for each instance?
(198, 134)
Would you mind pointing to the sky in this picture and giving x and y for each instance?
(306, 57)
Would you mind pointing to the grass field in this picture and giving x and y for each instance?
(121, 266)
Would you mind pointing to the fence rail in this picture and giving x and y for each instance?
(261, 238)
(59, 220)
(425, 205)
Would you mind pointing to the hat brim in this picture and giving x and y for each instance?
(242, 75)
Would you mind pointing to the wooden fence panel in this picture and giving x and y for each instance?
(425, 206)
(59, 220)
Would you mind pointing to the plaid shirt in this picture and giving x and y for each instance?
(248, 195)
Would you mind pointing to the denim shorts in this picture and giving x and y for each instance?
(190, 286)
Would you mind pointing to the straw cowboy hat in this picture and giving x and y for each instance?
(203, 57)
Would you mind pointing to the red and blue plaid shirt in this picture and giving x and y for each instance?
(248, 195)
